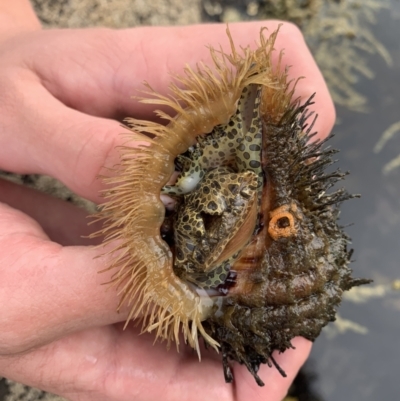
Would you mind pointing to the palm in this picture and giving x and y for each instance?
(121, 365)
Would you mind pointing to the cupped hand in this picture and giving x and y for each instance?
(61, 95)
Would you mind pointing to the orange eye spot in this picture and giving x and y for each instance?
(281, 224)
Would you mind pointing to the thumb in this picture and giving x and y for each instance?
(49, 290)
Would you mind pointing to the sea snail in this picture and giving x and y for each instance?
(252, 254)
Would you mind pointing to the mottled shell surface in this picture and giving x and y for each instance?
(252, 255)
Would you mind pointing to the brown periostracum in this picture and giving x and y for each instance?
(252, 255)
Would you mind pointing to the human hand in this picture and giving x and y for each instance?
(61, 94)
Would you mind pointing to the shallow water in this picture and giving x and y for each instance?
(353, 366)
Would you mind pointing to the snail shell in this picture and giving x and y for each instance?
(288, 274)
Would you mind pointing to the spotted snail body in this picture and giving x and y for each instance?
(252, 254)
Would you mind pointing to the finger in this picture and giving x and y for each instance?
(68, 144)
(110, 364)
(105, 68)
(276, 386)
(62, 222)
(57, 141)
(17, 17)
(115, 365)
(61, 285)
